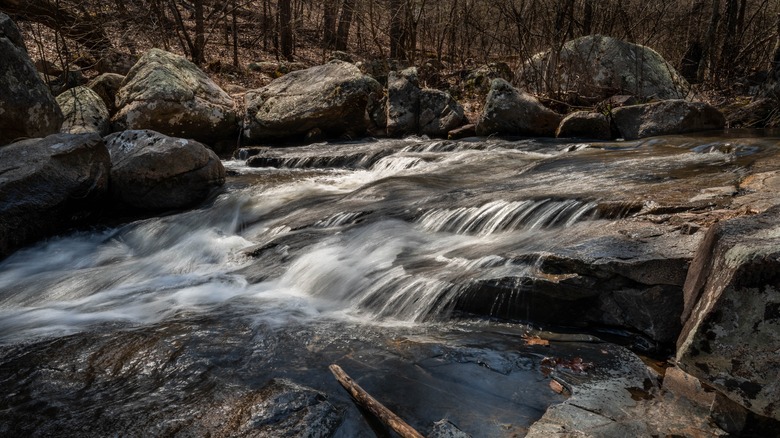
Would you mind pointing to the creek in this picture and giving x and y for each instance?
(411, 263)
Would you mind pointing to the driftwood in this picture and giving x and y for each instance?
(364, 399)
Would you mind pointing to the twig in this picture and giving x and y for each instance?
(364, 399)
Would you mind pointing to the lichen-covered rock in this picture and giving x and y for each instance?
(84, 112)
(439, 113)
(152, 171)
(403, 102)
(48, 185)
(665, 118)
(585, 124)
(731, 332)
(509, 111)
(169, 94)
(27, 107)
(332, 98)
(596, 67)
(107, 86)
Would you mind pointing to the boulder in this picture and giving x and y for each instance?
(169, 94)
(509, 111)
(403, 103)
(731, 332)
(585, 124)
(48, 185)
(107, 86)
(332, 98)
(152, 171)
(27, 107)
(665, 118)
(439, 113)
(84, 112)
(595, 67)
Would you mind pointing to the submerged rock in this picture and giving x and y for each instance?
(665, 118)
(332, 98)
(731, 332)
(596, 67)
(509, 111)
(48, 185)
(84, 112)
(169, 94)
(27, 107)
(152, 171)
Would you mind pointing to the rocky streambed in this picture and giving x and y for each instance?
(426, 269)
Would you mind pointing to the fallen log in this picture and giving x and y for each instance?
(364, 399)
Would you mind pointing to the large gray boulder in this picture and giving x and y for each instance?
(84, 111)
(169, 94)
(440, 113)
(509, 111)
(152, 171)
(596, 67)
(48, 185)
(731, 333)
(665, 118)
(27, 107)
(330, 98)
(403, 102)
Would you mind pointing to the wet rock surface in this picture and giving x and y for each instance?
(731, 333)
(166, 93)
(27, 107)
(665, 118)
(48, 185)
(152, 171)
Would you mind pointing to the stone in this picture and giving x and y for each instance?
(509, 111)
(585, 124)
(596, 67)
(332, 97)
(27, 107)
(479, 80)
(49, 185)
(107, 86)
(403, 103)
(731, 331)
(446, 429)
(84, 112)
(665, 118)
(169, 94)
(439, 113)
(152, 171)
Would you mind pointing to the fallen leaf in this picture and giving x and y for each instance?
(557, 387)
(535, 340)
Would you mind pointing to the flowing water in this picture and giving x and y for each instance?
(368, 254)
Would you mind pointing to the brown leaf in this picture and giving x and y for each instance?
(535, 340)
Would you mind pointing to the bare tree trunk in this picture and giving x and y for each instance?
(708, 57)
(397, 16)
(329, 14)
(774, 65)
(587, 18)
(199, 48)
(235, 33)
(285, 29)
(345, 22)
(728, 50)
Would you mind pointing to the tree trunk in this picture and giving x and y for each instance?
(587, 18)
(728, 50)
(774, 67)
(707, 58)
(199, 48)
(329, 14)
(397, 17)
(285, 29)
(345, 22)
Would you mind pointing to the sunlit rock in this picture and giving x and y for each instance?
(84, 112)
(169, 94)
(665, 118)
